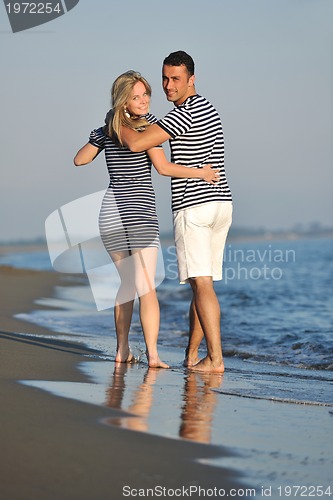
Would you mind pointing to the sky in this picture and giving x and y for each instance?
(266, 65)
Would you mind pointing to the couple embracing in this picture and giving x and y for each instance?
(132, 140)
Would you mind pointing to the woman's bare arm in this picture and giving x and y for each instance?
(86, 154)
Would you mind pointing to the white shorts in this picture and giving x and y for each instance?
(200, 234)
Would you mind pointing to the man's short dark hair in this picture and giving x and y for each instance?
(180, 58)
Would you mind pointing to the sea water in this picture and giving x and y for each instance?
(276, 303)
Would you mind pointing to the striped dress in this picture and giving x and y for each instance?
(196, 139)
(127, 218)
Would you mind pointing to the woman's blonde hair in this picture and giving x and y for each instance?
(120, 93)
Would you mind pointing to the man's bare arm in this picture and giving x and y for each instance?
(141, 141)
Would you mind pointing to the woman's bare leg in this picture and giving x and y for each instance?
(123, 317)
(149, 307)
(123, 309)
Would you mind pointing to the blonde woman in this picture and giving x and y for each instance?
(128, 221)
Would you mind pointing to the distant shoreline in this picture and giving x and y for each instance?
(236, 234)
(265, 235)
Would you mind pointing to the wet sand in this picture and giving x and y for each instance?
(58, 448)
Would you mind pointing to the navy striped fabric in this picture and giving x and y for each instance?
(127, 219)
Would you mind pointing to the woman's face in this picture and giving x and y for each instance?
(138, 102)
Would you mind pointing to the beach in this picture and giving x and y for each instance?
(68, 428)
(54, 448)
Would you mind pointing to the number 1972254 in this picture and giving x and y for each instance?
(304, 491)
(34, 8)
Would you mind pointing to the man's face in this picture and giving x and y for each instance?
(177, 84)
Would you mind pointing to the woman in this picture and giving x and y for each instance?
(128, 221)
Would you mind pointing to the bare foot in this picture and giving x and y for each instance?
(125, 356)
(190, 359)
(188, 362)
(155, 362)
(208, 366)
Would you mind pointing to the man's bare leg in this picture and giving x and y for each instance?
(196, 335)
(208, 309)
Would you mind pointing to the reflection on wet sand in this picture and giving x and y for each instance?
(141, 401)
(199, 404)
(195, 409)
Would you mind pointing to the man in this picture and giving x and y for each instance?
(202, 212)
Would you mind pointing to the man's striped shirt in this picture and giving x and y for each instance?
(196, 139)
